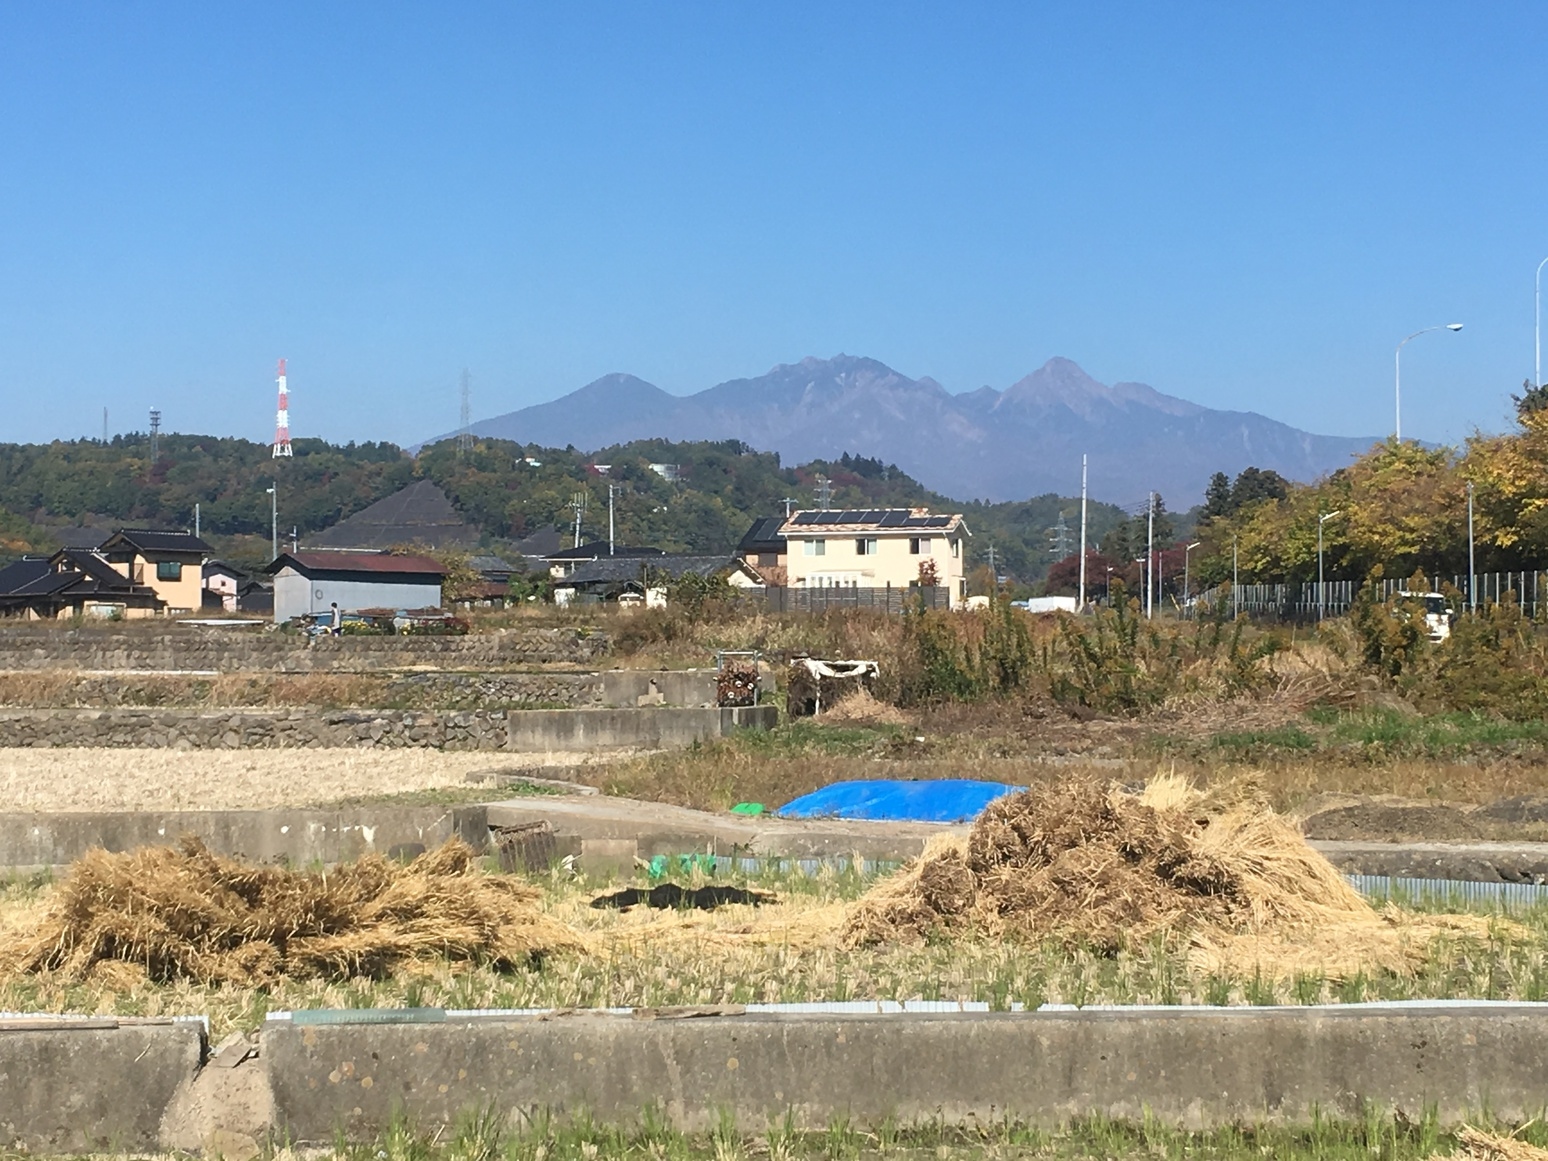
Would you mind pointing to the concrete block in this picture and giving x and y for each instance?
(1192, 1067)
(99, 1085)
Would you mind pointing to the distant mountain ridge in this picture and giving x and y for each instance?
(999, 445)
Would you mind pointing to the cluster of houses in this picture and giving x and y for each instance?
(136, 572)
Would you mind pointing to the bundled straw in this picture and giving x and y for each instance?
(1080, 863)
(1478, 1145)
(184, 913)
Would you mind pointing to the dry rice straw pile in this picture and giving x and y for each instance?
(184, 913)
(1083, 864)
(1478, 1145)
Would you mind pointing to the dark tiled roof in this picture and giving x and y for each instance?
(763, 536)
(607, 569)
(80, 537)
(488, 564)
(597, 549)
(544, 542)
(377, 563)
(212, 567)
(91, 565)
(155, 540)
(23, 572)
(418, 514)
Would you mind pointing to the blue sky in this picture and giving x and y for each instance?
(1244, 207)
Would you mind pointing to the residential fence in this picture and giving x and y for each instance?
(890, 600)
(1307, 601)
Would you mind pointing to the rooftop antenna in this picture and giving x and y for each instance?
(465, 432)
(155, 433)
(282, 417)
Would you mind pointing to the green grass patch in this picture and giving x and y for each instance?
(484, 1135)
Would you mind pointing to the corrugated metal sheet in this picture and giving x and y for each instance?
(1455, 892)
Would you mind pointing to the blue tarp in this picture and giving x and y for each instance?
(891, 800)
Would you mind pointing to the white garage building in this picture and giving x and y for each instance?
(312, 581)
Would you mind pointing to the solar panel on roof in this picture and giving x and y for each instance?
(806, 517)
(896, 518)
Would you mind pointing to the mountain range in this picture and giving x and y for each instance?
(1026, 440)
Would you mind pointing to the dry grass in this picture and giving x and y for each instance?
(1086, 864)
(113, 779)
(164, 914)
(1480, 1145)
(862, 707)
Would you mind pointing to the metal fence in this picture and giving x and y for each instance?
(890, 600)
(1307, 601)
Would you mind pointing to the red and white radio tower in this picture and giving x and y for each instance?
(282, 419)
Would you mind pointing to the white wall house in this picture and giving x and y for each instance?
(313, 581)
(875, 548)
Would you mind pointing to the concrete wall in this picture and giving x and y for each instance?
(296, 595)
(1192, 1067)
(184, 647)
(111, 1085)
(299, 837)
(523, 731)
(97, 1086)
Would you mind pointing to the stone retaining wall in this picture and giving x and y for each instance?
(526, 731)
(167, 645)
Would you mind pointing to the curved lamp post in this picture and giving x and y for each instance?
(1322, 591)
(1397, 375)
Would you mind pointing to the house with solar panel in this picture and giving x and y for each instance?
(876, 548)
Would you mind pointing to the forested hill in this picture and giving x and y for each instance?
(702, 500)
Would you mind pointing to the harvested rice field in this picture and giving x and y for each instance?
(1093, 895)
(112, 780)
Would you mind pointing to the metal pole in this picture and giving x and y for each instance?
(1080, 600)
(610, 519)
(1472, 571)
(1397, 375)
(1150, 561)
(274, 521)
(1537, 326)
(1322, 601)
(1236, 603)
(196, 519)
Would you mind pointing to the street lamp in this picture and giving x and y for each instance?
(274, 520)
(1322, 591)
(1537, 325)
(1397, 375)
(1186, 550)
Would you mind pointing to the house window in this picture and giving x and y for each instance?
(956, 549)
(919, 545)
(816, 548)
(865, 547)
(169, 570)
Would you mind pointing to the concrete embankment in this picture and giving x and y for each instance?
(128, 1085)
(518, 731)
(299, 836)
(1193, 1067)
(164, 645)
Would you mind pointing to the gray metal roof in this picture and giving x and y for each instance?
(611, 569)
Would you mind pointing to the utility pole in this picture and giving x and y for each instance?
(578, 504)
(611, 488)
(274, 521)
(293, 537)
(104, 425)
(787, 502)
(1236, 603)
(1150, 561)
(1322, 591)
(196, 518)
(1080, 599)
(1186, 551)
(1472, 572)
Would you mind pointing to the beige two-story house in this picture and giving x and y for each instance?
(875, 548)
(169, 563)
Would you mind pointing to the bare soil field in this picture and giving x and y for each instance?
(95, 779)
